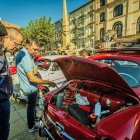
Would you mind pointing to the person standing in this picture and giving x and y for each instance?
(84, 53)
(27, 71)
(8, 43)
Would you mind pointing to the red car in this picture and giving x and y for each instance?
(100, 101)
(13, 69)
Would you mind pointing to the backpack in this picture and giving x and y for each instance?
(6, 84)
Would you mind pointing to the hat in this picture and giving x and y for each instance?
(3, 31)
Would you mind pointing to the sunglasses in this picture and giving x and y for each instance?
(35, 49)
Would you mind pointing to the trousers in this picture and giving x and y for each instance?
(31, 109)
(4, 119)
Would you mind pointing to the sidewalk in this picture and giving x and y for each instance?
(18, 128)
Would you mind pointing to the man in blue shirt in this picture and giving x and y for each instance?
(28, 80)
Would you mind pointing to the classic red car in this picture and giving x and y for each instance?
(100, 101)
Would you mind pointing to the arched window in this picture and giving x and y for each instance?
(118, 10)
(118, 27)
(138, 26)
(102, 34)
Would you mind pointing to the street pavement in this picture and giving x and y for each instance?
(18, 122)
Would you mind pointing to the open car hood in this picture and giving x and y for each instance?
(87, 69)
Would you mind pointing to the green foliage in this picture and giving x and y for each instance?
(40, 29)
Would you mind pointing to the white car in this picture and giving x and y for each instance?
(48, 70)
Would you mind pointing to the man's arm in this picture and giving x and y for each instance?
(35, 70)
(34, 79)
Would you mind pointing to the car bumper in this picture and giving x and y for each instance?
(45, 131)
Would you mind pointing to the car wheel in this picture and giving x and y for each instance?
(45, 90)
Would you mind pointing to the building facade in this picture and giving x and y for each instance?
(102, 20)
(121, 17)
(58, 33)
(82, 26)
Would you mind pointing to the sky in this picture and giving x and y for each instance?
(20, 12)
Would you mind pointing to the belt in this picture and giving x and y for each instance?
(4, 100)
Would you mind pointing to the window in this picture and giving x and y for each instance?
(102, 17)
(43, 64)
(118, 10)
(102, 2)
(90, 30)
(91, 18)
(81, 43)
(55, 67)
(81, 20)
(102, 33)
(138, 26)
(91, 8)
(118, 27)
(81, 32)
(128, 70)
(91, 43)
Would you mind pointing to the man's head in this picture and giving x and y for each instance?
(13, 39)
(32, 46)
(3, 33)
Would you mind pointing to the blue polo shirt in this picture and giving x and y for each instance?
(25, 63)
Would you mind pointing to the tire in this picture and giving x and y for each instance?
(76, 112)
(45, 90)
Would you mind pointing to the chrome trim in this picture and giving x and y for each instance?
(59, 129)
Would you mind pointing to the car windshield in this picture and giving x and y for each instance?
(130, 71)
(43, 64)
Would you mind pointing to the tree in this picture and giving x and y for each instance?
(40, 29)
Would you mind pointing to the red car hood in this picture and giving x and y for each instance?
(86, 69)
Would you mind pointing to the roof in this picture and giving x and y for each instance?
(8, 24)
(81, 6)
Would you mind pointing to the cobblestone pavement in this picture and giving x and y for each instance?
(18, 123)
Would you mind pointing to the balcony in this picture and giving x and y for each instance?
(80, 25)
(91, 22)
(90, 11)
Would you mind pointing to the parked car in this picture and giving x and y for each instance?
(50, 70)
(12, 66)
(98, 102)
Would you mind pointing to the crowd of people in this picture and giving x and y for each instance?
(10, 39)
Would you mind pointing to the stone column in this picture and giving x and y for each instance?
(65, 24)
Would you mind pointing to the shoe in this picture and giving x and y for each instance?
(33, 129)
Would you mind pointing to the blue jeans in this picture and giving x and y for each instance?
(31, 109)
(4, 119)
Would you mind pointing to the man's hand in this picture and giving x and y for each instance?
(52, 84)
(35, 70)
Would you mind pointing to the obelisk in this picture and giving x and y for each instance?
(65, 24)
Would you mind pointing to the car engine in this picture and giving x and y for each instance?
(89, 102)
